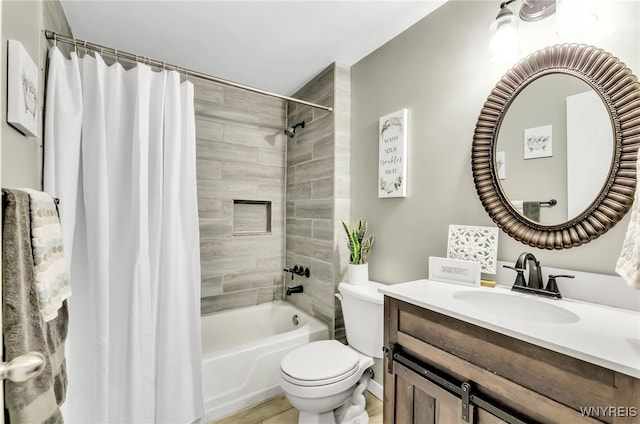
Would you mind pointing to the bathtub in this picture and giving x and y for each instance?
(241, 353)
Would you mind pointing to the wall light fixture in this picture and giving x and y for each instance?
(572, 16)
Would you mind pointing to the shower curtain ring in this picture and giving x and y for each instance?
(55, 39)
(75, 45)
(85, 48)
(116, 52)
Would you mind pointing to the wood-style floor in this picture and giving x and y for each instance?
(279, 411)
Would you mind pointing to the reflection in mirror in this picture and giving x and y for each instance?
(555, 142)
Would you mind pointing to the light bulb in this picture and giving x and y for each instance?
(504, 43)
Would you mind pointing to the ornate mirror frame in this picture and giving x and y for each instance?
(620, 91)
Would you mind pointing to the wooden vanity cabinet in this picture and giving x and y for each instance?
(533, 383)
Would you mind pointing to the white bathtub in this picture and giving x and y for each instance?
(241, 353)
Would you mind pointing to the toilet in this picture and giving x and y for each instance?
(326, 380)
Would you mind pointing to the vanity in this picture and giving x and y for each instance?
(457, 354)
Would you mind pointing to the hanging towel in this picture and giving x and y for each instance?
(52, 280)
(36, 400)
(628, 265)
(531, 210)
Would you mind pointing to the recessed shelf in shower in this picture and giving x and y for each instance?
(251, 217)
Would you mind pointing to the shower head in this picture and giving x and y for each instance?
(291, 131)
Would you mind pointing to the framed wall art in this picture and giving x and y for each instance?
(538, 142)
(22, 90)
(392, 156)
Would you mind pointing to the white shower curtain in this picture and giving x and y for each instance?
(120, 155)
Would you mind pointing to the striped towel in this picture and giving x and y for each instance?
(52, 279)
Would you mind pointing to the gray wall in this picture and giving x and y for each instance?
(24, 21)
(240, 156)
(318, 194)
(21, 155)
(439, 69)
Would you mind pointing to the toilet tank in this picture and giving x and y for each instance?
(363, 311)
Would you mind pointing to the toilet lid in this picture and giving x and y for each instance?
(320, 361)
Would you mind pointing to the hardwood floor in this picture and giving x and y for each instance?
(279, 411)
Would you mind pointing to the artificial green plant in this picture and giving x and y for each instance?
(359, 246)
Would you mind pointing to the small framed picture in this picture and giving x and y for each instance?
(538, 142)
(22, 90)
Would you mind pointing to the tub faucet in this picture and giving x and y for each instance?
(296, 289)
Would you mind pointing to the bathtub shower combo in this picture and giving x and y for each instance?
(242, 350)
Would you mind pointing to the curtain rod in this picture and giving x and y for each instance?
(188, 72)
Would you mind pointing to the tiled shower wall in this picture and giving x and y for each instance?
(240, 157)
(318, 187)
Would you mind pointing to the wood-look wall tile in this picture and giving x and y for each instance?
(270, 262)
(250, 280)
(227, 301)
(208, 91)
(321, 250)
(249, 172)
(316, 129)
(215, 208)
(267, 294)
(271, 157)
(209, 130)
(221, 112)
(299, 153)
(298, 114)
(323, 229)
(254, 244)
(216, 227)
(321, 209)
(313, 170)
(319, 87)
(253, 136)
(211, 286)
(208, 169)
(299, 191)
(322, 189)
(222, 265)
(210, 247)
(226, 152)
(299, 227)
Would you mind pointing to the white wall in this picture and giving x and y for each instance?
(439, 69)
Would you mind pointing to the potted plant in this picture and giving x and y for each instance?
(359, 246)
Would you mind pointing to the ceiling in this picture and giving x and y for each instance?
(272, 45)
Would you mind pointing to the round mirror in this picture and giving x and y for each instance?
(555, 146)
(558, 130)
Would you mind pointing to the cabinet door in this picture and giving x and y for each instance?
(416, 400)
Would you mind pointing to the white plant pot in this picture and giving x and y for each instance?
(358, 274)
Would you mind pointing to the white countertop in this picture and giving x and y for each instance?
(603, 335)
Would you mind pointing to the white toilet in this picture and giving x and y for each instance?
(326, 380)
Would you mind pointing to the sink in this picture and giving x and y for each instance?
(516, 307)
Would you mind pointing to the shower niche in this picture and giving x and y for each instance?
(251, 217)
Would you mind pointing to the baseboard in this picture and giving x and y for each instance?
(375, 389)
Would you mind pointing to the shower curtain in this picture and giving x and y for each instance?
(120, 155)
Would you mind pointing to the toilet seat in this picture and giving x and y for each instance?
(320, 363)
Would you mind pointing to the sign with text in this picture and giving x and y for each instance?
(392, 160)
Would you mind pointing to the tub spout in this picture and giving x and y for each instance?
(296, 289)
